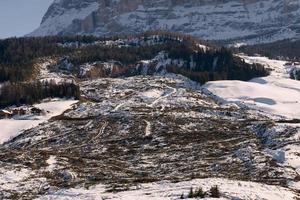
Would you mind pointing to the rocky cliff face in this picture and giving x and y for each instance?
(251, 21)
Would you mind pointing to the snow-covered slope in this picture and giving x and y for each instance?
(12, 127)
(150, 137)
(165, 190)
(62, 17)
(157, 134)
(252, 21)
(276, 94)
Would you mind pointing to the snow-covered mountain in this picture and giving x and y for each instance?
(249, 21)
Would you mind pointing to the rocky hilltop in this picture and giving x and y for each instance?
(250, 21)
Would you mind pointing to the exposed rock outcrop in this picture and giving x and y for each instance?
(249, 21)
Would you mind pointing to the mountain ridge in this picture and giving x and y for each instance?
(249, 21)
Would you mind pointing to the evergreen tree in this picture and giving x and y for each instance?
(200, 193)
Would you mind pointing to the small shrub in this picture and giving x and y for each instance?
(200, 193)
(214, 192)
(182, 196)
(191, 193)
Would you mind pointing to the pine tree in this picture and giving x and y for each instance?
(200, 193)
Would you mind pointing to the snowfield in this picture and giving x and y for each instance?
(230, 189)
(10, 128)
(276, 94)
(152, 93)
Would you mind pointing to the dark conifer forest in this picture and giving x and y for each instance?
(285, 49)
(32, 92)
(18, 58)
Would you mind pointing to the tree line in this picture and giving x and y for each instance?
(214, 64)
(32, 92)
(19, 55)
(285, 49)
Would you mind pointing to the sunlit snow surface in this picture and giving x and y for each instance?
(12, 127)
(54, 24)
(229, 189)
(276, 94)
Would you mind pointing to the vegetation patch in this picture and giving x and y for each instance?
(199, 193)
(200, 62)
(32, 92)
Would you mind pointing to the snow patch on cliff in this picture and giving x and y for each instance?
(55, 24)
